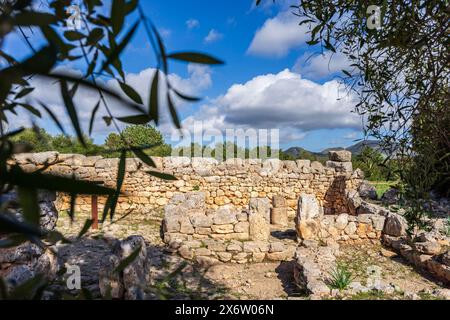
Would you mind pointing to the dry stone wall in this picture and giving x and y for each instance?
(234, 181)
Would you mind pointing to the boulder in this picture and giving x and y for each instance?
(446, 258)
(24, 262)
(395, 225)
(130, 283)
(392, 196)
(367, 191)
(340, 155)
(428, 247)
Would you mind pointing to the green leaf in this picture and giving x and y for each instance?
(112, 201)
(153, 103)
(29, 203)
(112, 57)
(24, 92)
(87, 224)
(70, 107)
(91, 122)
(31, 109)
(163, 176)
(94, 36)
(118, 10)
(162, 50)
(130, 92)
(195, 57)
(33, 18)
(185, 97)
(16, 176)
(28, 289)
(73, 35)
(137, 119)
(128, 260)
(54, 118)
(131, 6)
(144, 157)
(173, 112)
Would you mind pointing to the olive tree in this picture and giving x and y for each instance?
(98, 46)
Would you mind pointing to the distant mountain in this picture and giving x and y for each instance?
(298, 152)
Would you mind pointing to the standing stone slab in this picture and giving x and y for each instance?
(279, 216)
(259, 228)
(260, 206)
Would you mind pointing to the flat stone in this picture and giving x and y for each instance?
(341, 221)
(340, 155)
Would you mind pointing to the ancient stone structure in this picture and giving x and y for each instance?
(21, 263)
(129, 283)
(227, 234)
(234, 181)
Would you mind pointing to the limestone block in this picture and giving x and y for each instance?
(242, 226)
(341, 221)
(279, 216)
(308, 207)
(340, 155)
(340, 166)
(202, 221)
(395, 225)
(278, 201)
(260, 206)
(259, 228)
(223, 228)
(307, 229)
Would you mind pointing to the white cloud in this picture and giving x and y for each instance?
(192, 23)
(285, 100)
(213, 36)
(48, 92)
(278, 36)
(321, 65)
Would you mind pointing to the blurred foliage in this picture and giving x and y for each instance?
(139, 135)
(400, 72)
(375, 166)
(98, 45)
(227, 150)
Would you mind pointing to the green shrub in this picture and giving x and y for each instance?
(340, 278)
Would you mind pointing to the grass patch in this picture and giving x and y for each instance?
(340, 278)
(382, 186)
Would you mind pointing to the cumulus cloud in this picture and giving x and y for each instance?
(192, 23)
(322, 65)
(285, 100)
(278, 36)
(48, 92)
(213, 36)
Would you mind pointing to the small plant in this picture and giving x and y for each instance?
(340, 278)
(196, 188)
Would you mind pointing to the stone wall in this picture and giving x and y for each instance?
(227, 234)
(234, 181)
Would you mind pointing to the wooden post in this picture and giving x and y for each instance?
(94, 211)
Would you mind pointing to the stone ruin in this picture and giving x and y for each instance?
(246, 211)
(227, 234)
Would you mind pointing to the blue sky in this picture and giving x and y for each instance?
(267, 82)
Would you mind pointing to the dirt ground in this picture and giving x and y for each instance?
(265, 280)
